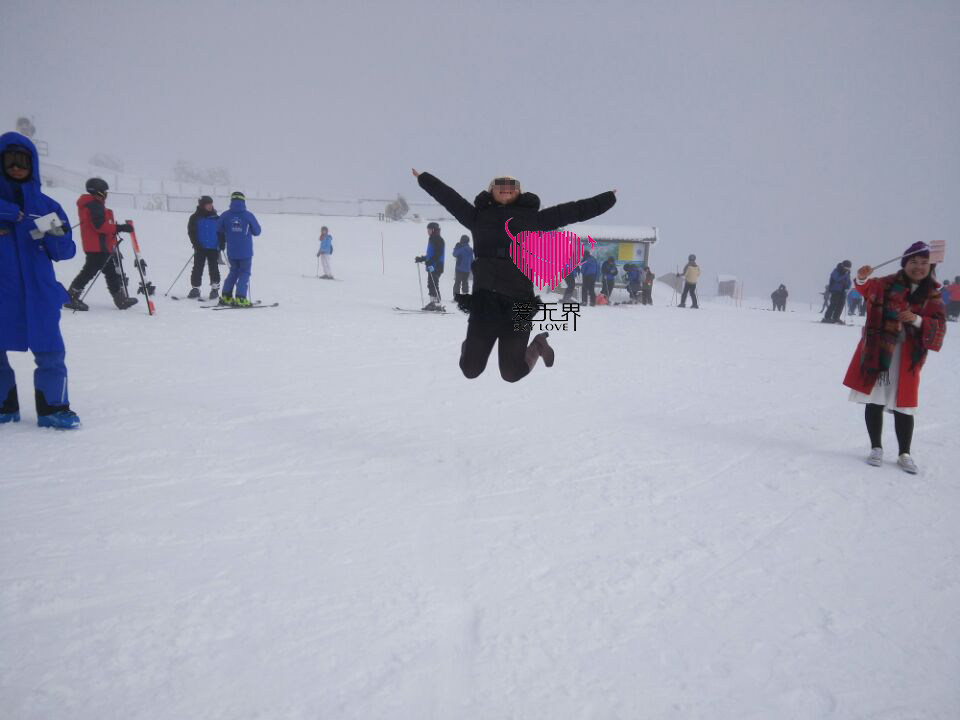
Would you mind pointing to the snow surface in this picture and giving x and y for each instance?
(307, 512)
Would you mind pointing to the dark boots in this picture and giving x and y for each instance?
(75, 302)
(122, 301)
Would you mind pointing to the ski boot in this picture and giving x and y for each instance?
(123, 302)
(194, 294)
(10, 408)
(226, 299)
(75, 302)
(431, 306)
(60, 420)
(214, 292)
(241, 302)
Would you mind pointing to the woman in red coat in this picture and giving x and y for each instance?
(905, 319)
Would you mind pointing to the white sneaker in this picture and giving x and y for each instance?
(876, 457)
(907, 464)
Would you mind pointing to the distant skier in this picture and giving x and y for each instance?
(99, 233)
(464, 255)
(433, 260)
(648, 278)
(589, 268)
(690, 274)
(837, 287)
(569, 281)
(954, 303)
(236, 229)
(608, 272)
(854, 302)
(779, 297)
(325, 251)
(905, 319)
(634, 282)
(499, 286)
(202, 229)
(30, 296)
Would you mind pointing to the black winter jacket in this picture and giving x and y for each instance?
(492, 267)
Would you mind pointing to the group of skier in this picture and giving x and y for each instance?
(905, 312)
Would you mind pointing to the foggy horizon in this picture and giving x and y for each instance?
(773, 140)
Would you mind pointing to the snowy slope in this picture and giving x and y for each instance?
(307, 512)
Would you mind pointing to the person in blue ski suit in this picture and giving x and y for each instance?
(30, 296)
(838, 286)
(464, 255)
(236, 230)
(633, 273)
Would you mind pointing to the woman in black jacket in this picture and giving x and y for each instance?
(498, 284)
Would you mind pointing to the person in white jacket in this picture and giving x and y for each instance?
(690, 273)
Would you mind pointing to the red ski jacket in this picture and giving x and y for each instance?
(97, 227)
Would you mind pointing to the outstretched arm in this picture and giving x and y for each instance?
(464, 212)
(558, 216)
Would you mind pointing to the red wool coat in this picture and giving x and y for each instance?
(929, 335)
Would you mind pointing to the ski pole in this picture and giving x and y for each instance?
(93, 282)
(180, 273)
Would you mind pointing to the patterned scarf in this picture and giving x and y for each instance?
(882, 327)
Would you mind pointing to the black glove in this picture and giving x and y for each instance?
(125, 227)
(420, 259)
(196, 247)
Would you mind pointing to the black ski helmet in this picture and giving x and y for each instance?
(97, 186)
(692, 258)
(433, 226)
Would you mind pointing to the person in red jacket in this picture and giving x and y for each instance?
(99, 233)
(905, 319)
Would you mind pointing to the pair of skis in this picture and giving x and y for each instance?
(138, 261)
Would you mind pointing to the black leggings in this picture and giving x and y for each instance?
(901, 422)
(491, 321)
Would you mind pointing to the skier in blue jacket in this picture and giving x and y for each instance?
(202, 229)
(236, 230)
(464, 255)
(325, 251)
(30, 296)
(434, 262)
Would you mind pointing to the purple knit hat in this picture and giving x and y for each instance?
(918, 248)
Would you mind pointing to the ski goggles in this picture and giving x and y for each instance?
(17, 157)
(505, 182)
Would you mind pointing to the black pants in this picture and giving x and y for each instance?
(92, 265)
(433, 283)
(901, 422)
(647, 294)
(571, 287)
(210, 257)
(606, 285)
(461, 282)
(492, 321)
(691, 290)
(835, 309)
(588, 291)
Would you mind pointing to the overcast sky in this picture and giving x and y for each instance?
(772, 139)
